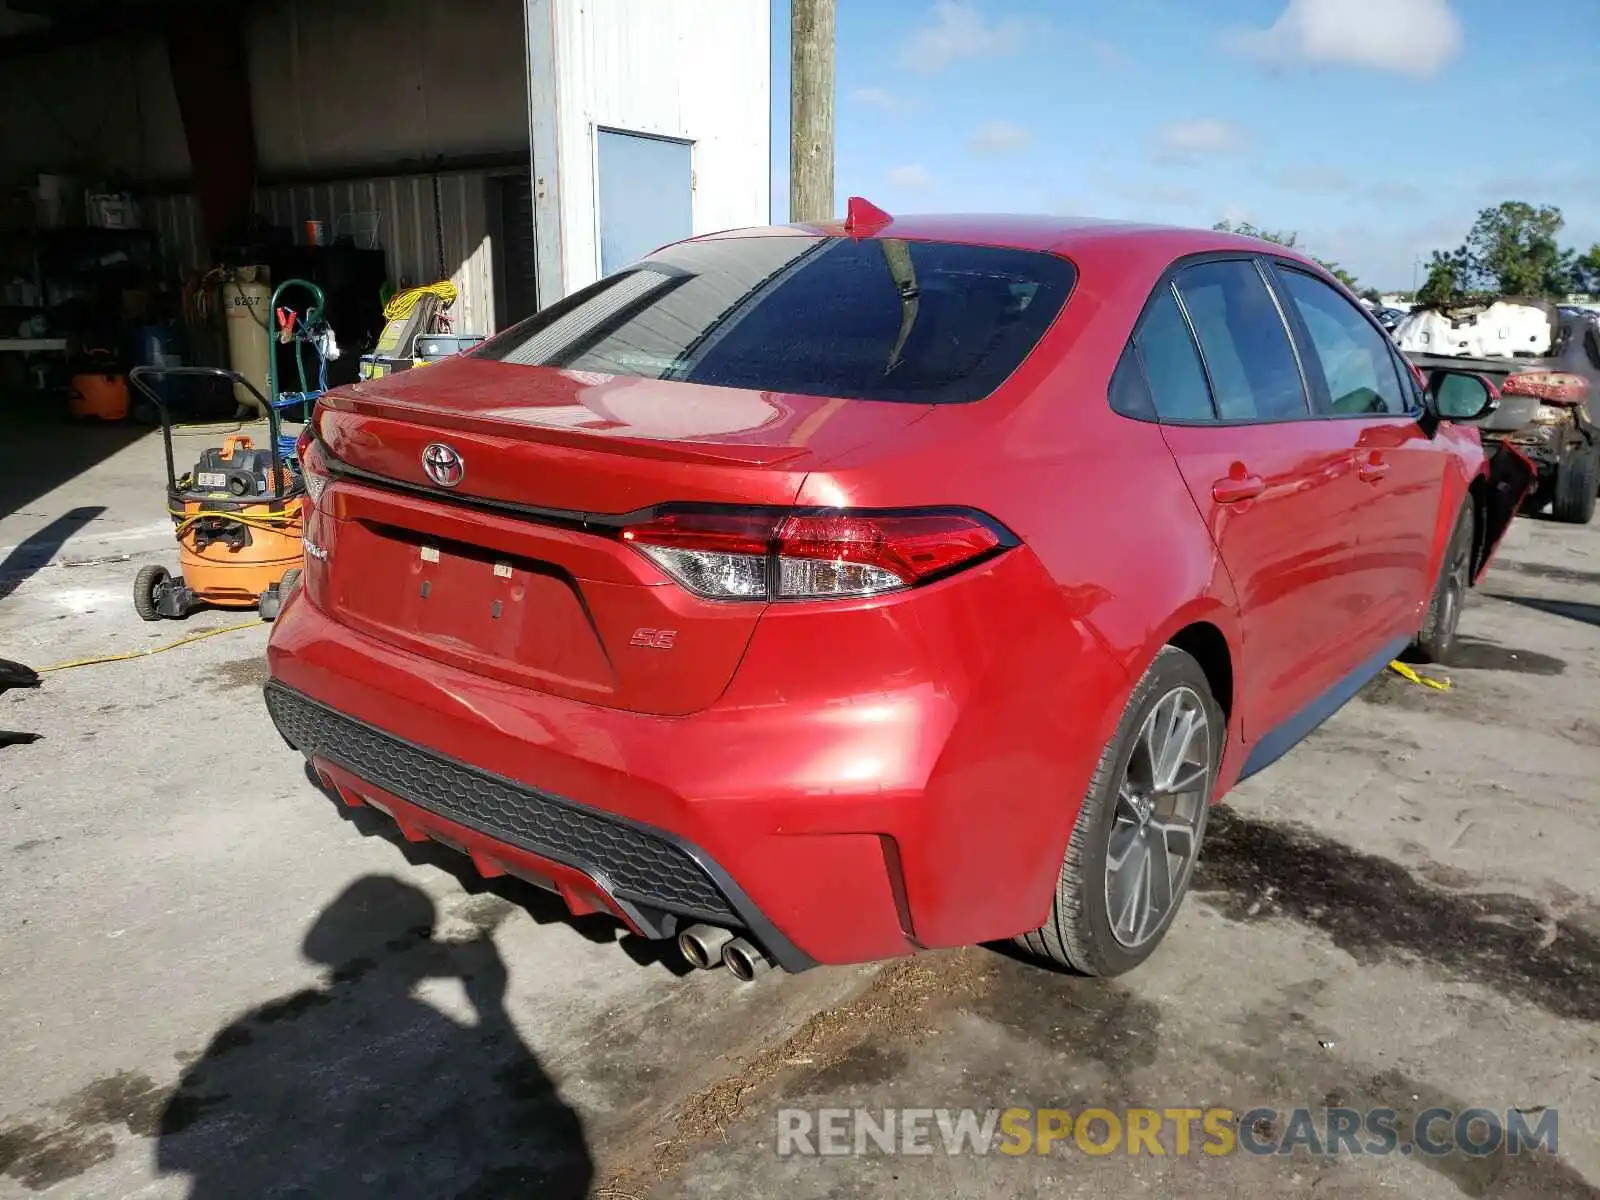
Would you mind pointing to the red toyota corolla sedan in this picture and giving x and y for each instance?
(816, 595)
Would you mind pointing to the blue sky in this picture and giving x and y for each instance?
(1375, 128)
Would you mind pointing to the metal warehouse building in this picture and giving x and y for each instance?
(403, 126)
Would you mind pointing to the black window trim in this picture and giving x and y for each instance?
(1171, 287)
(1168, 279)
(1324, 400)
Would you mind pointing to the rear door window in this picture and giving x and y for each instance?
(1172, 365)
(1248, 355)
(1349, 356)
(872, 319)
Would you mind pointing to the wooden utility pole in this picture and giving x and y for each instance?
(811, 34)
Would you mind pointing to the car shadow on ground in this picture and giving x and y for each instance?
(544, 907)
(358, 1087)
(1573, 610)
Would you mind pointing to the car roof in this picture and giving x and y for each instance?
(1086, 240)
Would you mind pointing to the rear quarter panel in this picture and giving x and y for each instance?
(1123, 561)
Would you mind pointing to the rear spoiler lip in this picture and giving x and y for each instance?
(717, 454)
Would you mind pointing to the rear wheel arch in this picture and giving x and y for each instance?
(1208, 646)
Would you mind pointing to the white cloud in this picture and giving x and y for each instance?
(913, 178)
(960, 30)
(998, 137)
(1405, 37)
(882, 98)
(1234, 214)
(1203, 136)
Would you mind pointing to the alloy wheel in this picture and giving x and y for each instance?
(1160, 810)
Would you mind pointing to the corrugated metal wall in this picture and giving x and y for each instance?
(408, 229)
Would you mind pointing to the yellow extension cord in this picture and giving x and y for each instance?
(267, 524)
(173, 645)
(401, 303)
(1405, 672)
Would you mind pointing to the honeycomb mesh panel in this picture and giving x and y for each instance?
(635, 864)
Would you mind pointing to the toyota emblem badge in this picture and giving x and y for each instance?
(443, 464)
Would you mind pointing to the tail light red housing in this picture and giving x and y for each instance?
(741, 554)
(1551, 387)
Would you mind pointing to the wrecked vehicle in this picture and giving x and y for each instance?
(1545, 360)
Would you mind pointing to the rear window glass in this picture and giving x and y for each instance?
(874, 319)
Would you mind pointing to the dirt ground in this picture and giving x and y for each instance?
(218, 982)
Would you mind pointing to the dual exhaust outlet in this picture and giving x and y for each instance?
(706, 946)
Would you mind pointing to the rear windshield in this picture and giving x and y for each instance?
(870, 319)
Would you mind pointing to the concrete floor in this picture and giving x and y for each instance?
(217, 982)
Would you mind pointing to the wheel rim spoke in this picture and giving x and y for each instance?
(1159, 806)
(1127, 916)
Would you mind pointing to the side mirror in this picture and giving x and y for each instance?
(1460, 395)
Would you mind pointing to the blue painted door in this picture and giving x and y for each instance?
(646, 196)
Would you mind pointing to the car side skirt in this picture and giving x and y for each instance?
(1286, 736)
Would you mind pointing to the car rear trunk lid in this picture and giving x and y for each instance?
(517, 571)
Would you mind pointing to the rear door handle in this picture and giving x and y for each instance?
(1235, 488)
(1372, 470)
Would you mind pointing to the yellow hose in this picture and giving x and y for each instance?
(402, 303)
(183, 641)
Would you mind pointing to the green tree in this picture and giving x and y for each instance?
(1511, 249)
(1290, 240)
(1586, 270)
(1446, 272)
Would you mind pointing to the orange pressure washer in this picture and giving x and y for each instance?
(238, 516)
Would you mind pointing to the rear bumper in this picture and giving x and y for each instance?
(882, 778)
(648, 878)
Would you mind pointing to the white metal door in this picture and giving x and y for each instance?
(646, 196)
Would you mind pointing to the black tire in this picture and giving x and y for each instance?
(1078, 934)
(290, 581)
(1576, 483)
(145, 585)
(1437, 638)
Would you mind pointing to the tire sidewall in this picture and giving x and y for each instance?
(1436, 643)
(1172, 669)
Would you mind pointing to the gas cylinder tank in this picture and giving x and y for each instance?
(244, 303)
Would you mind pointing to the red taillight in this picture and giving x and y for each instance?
(722, 555)
(1554, 387)
(734, 555)
(313, 467)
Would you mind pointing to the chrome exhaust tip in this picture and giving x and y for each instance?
(701, 945)
(744, 959)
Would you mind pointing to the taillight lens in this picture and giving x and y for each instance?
(735, 555)
(1558, 387)
(715, 554)
(313, 467)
